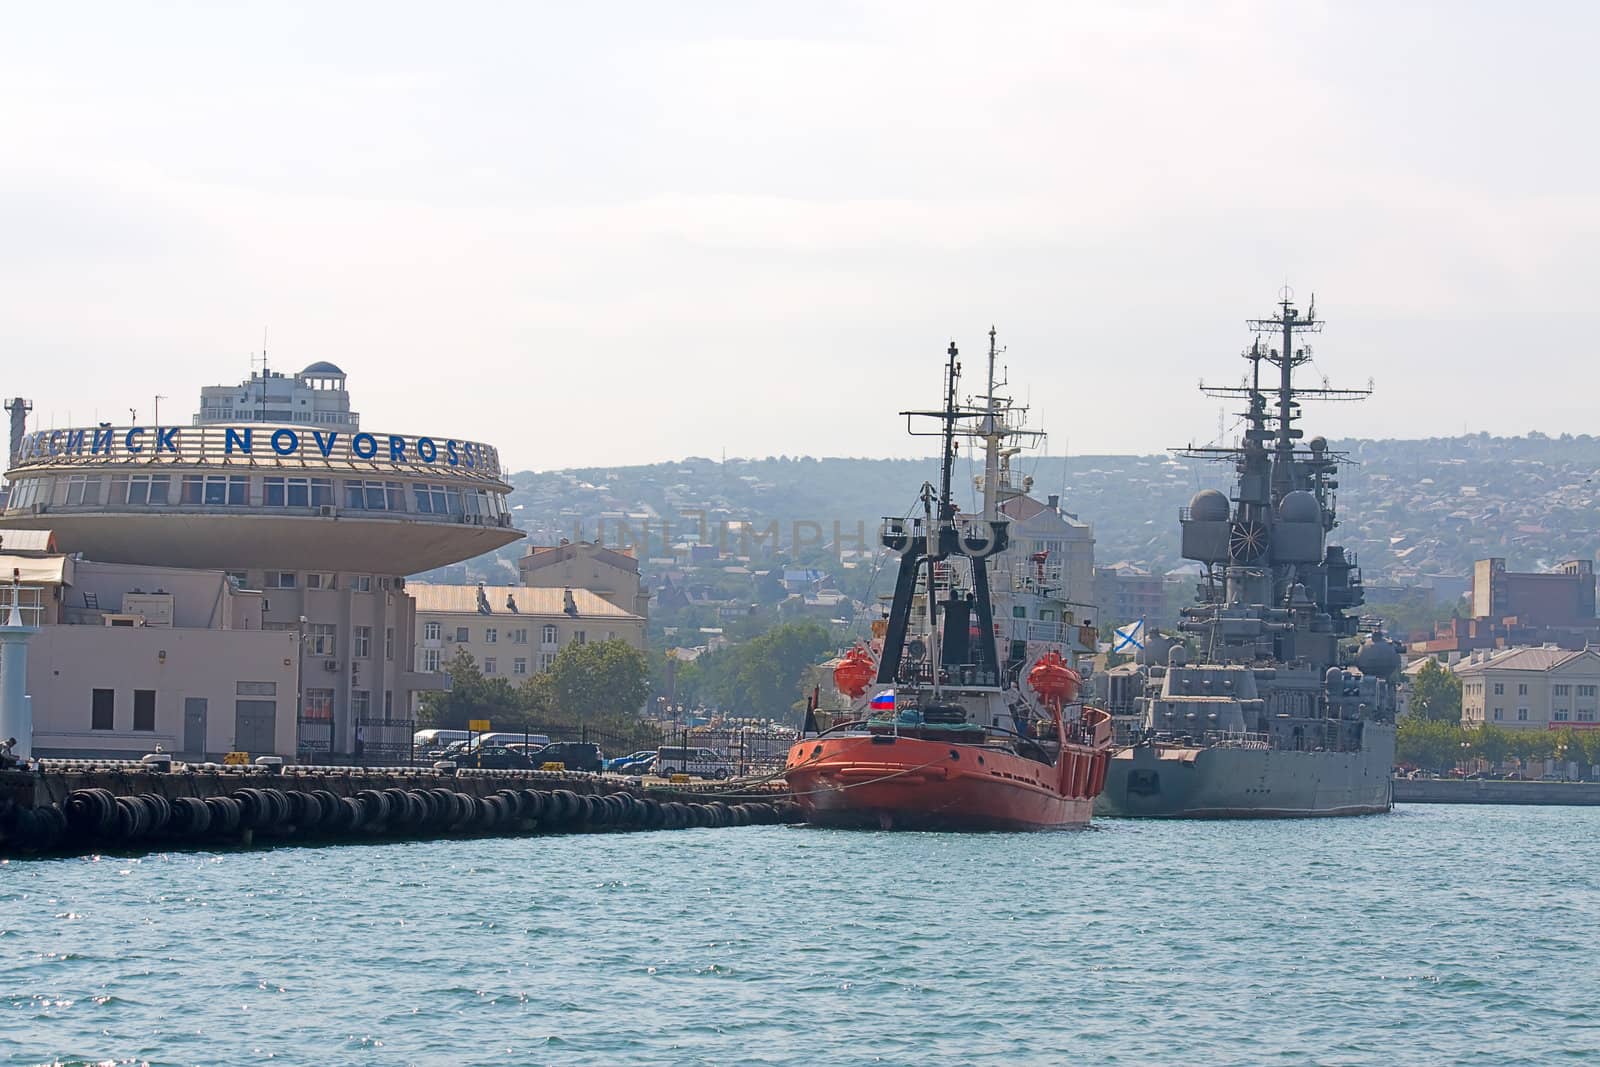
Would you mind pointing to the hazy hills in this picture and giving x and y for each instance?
(1406, 506)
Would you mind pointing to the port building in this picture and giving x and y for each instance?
(287, 500)
(1545, 688)
(513, 631)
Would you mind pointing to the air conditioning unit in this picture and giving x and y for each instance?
(331, 665)
(328, 511)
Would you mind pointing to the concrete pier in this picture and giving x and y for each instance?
(1493, 791)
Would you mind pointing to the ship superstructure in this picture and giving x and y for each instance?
(943, 730)
(1275, 715)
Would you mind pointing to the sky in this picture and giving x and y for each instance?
(620, 233)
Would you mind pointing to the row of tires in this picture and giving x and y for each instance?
(101, 816)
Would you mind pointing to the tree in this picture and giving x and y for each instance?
(600, 680)
(1426, 743)
(1490, 743)
(471, 696)
(1436, 694)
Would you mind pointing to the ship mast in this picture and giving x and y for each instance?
(990, 431)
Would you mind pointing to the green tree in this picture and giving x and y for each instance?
(471, 696)
(1491, 743)
(1436, 694)
(1436, 746)
(600, 680)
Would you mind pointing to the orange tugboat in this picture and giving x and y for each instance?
(942, 735)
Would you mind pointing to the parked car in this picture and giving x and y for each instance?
(633, 762)
(574, 755)
(700, 762)
(493, 737)
(495, 758)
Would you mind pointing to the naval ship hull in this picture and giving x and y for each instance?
(1172, 781)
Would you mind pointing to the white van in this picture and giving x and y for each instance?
(700, 762)
(424, 740)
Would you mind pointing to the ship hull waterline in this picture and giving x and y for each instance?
(902, 783)
(1171, 782)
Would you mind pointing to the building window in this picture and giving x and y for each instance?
(1499, 713)
(361, 642)
(318, 705)
(1499, 689)
(546, 660)
(1560, 715)
(322, 492)
(140, 489)
(519, 666)
(388, 643)
(1522, 714)
(430, 660)
(491, 636)
(388, 705)
(286, 492)
(1019, 611)
(489, 665)
(318, 580)
(549, 635)
(320, 639)
(1522, 689)
(278, 580)
(579, 637)
(360, 704)
(103, 708)
(518, 637)
(83, 489)
(255, 689)
(374, 496)
(361, 583)
(1586, 690)
(461, 634)
(216, 490)
(144, 709)
(435, 499)
(1585, 716)
(430, 632)
(1561, 690)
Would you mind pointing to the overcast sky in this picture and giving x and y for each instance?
(623, 233)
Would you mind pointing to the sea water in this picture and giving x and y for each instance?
(1429, 935)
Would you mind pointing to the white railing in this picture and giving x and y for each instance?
(29, 601)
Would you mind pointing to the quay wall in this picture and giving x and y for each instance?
(1486, 791)
(94, 806)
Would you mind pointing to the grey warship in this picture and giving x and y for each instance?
(1280, 715)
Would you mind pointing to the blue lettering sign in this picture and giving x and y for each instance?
(55, 442)
(127, 441)
(285, 442)
(397, 448)
(101, 442)
(450, 452)
(167, 439)
(74, 442)
(232, 439)
(364, 445)
(325, 446)
(427, 451)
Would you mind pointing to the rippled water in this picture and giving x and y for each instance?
(1432, 935)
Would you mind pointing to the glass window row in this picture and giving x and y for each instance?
(275, 491)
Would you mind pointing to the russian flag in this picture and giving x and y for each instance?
(884, 701)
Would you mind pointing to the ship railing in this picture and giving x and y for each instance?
(1238, 739)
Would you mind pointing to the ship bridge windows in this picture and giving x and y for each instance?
(216, 490)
